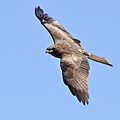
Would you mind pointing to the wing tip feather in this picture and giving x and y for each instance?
(43, 17)
(85, 102)
(82, 97)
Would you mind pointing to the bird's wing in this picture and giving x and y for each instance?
(56, 30)
(75, 72)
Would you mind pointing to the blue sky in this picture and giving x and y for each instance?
(31, 86)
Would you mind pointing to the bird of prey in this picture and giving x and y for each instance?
(73, 58)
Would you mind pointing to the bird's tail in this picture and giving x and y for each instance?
(97, 59)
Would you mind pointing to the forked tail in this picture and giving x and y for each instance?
(97, 59)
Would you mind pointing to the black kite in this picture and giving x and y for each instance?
(73, 58)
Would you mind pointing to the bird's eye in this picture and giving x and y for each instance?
(53, 49)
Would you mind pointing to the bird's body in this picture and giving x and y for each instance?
(73, 58)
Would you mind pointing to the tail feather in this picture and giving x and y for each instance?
(97, 59)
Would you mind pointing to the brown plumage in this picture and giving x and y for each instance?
(73, 58)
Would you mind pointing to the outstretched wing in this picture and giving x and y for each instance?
(75, 75)
(56, 30)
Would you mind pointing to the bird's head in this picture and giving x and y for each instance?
(54, 51)
(60, 49)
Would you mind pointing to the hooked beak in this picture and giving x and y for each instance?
(47, 51)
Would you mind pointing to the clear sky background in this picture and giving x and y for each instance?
(31, 86)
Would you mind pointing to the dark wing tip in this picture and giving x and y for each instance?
(83, 100)
(39, 13)
(84, 103)
(43, 17)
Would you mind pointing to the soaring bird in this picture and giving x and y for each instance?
(73, 58)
